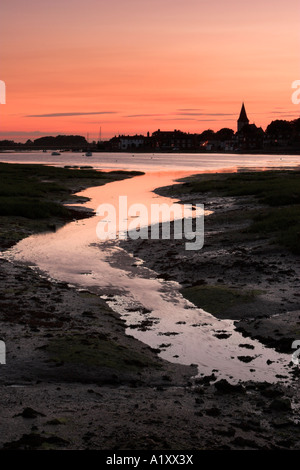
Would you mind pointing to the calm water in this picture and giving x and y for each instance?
(149, 162)
(74, 254)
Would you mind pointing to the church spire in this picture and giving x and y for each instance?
(243, 119)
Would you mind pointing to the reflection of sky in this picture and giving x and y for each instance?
(154, 162)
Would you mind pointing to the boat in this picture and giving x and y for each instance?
(89, 154)
(55, 153)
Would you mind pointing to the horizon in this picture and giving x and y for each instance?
(127, 135)
(131, 68)
(235, 132)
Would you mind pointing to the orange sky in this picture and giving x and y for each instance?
(132, 66)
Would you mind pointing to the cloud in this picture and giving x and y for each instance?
(217, 120)
(189, 109)
(287, 113)
(144, 115)
(70, 114)
(24, 133)
(206, 114)
(177, 119)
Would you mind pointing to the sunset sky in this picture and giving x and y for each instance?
(132, 66)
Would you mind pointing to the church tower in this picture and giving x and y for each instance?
(242, 120)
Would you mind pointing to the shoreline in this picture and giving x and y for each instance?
(57, 395)
(281, 151)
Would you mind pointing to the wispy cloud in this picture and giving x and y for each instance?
(204, 114)
(24, 133)
(217, 120)
(70, 114)
(144, 115)
(176, 119)
(186, 110)
(287, 113)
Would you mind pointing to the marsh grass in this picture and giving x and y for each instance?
(275, 188)
(278, 191)
(282, 223)
(214, 299)
(97, 351)
(36, 191)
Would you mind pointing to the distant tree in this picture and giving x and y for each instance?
(279, 129)
(61, 141)
(296, 127)
(7, 143)
(207, 135)
(224, 134)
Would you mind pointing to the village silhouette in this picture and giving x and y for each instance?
(280, 136)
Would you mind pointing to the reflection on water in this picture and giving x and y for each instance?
(157, 161)
(154, 310)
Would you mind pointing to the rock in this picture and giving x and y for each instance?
(285, 443)
(199, 401)
(55, 422)
(282, 423)
(206, 379)
(245, 345)
(263, 385)
(199, 282)
(246, 358)
(281, 404)
(224, 386)
(271, 393)
(30, 413)
(199, 390)
(230, 432)
(250, 425)
(33, 441)
(222, 335)
(214, 411)
(242, 442)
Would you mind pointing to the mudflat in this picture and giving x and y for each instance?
(74, 380)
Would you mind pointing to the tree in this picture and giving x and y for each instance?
(207, 135)
(279, 129)
(296, 127)
(224, 134)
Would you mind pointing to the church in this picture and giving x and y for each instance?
(243, 119)
(248, 136)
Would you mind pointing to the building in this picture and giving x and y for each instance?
(174, 140)
(243, 119)
(131, 142)
(127, 142)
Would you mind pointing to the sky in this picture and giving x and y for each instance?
(133, 66)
